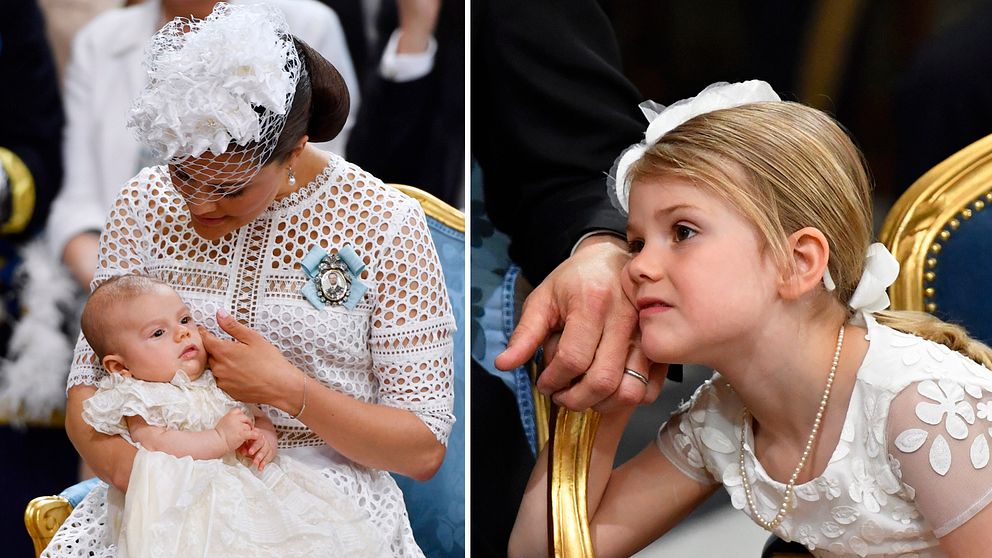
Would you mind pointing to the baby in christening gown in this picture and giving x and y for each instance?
(206, 480)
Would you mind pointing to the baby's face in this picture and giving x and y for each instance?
(157, 337)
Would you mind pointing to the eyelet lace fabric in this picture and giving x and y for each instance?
(394, 348)
(911, 464)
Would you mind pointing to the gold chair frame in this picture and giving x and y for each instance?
(45, 514)
(928, 214)
(43, 517)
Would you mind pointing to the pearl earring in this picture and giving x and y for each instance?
(292, 177)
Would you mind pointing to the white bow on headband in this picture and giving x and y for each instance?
(662, 119)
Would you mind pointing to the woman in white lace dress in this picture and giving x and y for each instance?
(854, 431)
(326, 279)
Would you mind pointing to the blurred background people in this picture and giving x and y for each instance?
(38, 456)
(64, 18)
(411, 126)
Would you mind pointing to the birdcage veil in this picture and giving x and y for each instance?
(218, 94)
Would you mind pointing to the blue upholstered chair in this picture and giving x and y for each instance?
(940, 230)
(436, 507)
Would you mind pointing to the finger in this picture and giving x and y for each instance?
(633, 389)
(538, 318)
(236, 329)
(604, 378)
(578, 346)
(210, 341)
(659, 372)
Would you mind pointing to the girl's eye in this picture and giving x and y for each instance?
(185, 320)
(158, 332)
(635, 246)
(683, 232)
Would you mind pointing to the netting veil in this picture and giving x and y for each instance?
(219, 90)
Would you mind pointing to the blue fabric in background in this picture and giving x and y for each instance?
(493, 292)
(437, 507)
(963, 276)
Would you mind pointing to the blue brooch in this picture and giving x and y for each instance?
(333, 278)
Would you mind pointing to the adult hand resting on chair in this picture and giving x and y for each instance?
(582, 299)
(640, 382)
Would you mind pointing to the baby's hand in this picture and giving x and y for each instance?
(234, 428)
(260, 447)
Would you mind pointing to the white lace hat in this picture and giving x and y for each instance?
(219, 90)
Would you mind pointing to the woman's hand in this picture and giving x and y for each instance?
(251, 369)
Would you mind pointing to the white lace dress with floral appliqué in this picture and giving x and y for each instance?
(912, 463)
(394, 348)
(217, 507)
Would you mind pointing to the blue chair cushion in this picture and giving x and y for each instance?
(437, 507)
(78, 491)
(964, 275)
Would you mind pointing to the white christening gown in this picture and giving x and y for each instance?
(217, 507)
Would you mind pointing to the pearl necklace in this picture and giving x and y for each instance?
(783, 508)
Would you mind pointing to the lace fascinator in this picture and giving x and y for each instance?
(219, 90)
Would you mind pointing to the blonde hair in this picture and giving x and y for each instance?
(786, 166)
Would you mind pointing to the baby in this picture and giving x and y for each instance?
(143, 335)
(189, 491)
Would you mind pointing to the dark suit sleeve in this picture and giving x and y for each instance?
(551, 111)
(31, 116)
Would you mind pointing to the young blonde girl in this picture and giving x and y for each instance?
(851, 430)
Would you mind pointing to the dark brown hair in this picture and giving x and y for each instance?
(320, 104)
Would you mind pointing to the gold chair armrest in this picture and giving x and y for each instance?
(434, 206)
(43, 517)
(927, 213)
(571, 451)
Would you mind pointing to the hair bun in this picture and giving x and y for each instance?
(329, 101)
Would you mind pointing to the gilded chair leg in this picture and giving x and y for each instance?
(571, 450)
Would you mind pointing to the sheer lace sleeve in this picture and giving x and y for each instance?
(412, 325)
(679, 444)
(938, 433)
(122, 250)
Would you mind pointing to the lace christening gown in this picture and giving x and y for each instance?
(394, 348)
(217, 507)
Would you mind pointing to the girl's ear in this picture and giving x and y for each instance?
(115, 364)
(809, 253)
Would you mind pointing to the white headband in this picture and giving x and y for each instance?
(662, 119)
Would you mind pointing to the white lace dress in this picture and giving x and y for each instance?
(217, 507)
(912, 463)
(394, 348)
